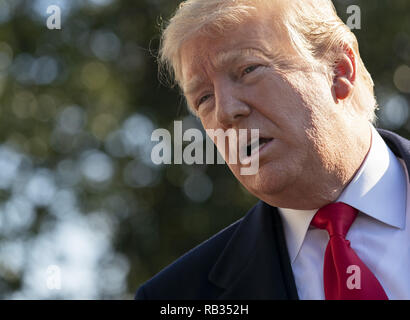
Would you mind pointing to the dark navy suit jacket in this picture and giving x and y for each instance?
(247, 260)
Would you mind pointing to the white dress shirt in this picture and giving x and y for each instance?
(380, 235)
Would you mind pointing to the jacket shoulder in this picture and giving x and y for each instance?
(187, 277)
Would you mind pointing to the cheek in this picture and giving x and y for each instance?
(235, 169)
(304, 112)
(282, 101)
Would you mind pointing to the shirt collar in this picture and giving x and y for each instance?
(378, 189)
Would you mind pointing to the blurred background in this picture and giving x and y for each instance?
(84, 213)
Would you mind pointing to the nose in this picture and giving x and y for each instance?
(230, 107)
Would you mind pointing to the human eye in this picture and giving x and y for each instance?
(250, 69)
(202, 99)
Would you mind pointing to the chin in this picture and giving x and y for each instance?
(266, 183)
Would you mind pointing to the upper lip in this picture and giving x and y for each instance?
(259, 139)
(251, 143)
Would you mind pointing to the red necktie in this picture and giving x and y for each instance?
(345, 276)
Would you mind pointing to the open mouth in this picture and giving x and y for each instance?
(256, 145)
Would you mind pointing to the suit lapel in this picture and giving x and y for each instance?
(399, 145)
(255, 263)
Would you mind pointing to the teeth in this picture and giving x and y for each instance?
(256, 145)
(252, 147)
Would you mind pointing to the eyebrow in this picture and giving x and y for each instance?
(232, 57)
(193, 85)
(223, 59)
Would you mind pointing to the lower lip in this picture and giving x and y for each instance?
(253, 155)
(265, 145)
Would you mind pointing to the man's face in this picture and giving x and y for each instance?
(235, 81)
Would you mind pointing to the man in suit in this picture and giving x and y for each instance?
(331, 223)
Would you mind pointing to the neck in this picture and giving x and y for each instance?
(323, 186)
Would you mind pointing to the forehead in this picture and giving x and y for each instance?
(194, 77)
(205, 52)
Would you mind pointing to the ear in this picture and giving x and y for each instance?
(345, 74)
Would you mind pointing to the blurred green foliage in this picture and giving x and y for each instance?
(77, 109)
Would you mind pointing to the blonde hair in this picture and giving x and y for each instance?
(312, 26)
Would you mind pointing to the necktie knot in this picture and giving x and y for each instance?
(336, 218)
